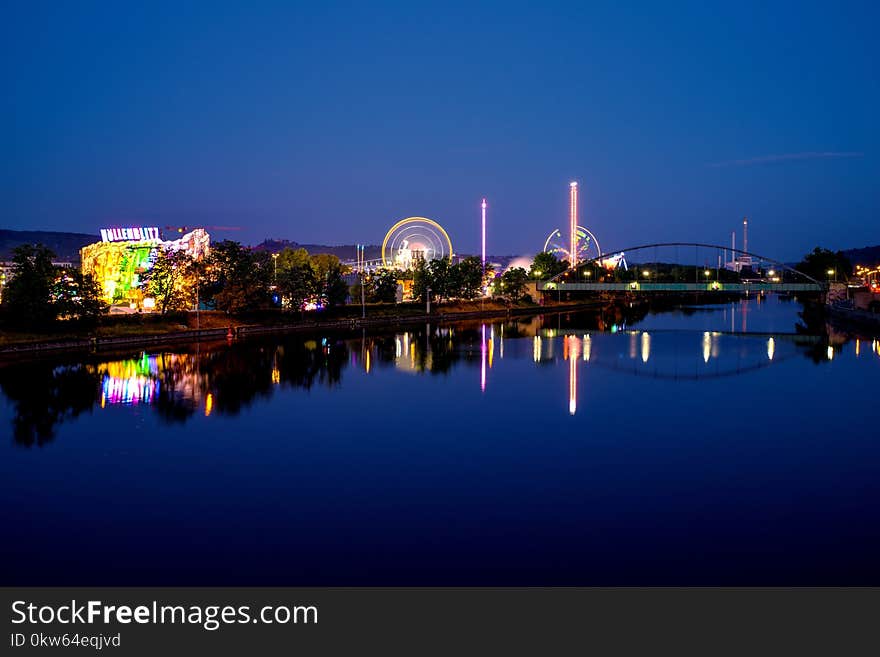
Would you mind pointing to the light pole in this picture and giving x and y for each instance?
(198, 319)
(275, 262)
(428, 290)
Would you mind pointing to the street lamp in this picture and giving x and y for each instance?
(275, 262)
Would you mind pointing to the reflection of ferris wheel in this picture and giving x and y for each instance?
(412, 239)
(587, 245)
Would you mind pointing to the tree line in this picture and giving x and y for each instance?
(234, 278)
(39, 292)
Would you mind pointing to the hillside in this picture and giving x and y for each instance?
(343, 252)
(867, 255)
(65, 245)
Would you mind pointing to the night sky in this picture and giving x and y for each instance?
(326, 122)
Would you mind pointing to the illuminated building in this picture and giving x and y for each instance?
(119, 261)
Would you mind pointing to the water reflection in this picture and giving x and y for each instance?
(219, 379)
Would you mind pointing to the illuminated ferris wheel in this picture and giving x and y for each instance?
(587, 245)
(413, 239)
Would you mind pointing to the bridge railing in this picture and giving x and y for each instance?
(639, 286)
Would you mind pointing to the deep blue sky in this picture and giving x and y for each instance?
(326, 122)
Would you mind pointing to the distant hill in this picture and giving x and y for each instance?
(867, 255)
(343, 252)
(65, 245)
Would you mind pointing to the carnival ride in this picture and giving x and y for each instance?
(413, 239)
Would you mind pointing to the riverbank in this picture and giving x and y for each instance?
(204, 326)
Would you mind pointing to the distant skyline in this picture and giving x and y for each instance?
(327, 122)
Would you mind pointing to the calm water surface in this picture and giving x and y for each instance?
(711, 445)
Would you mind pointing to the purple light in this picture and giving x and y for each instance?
(484, 236)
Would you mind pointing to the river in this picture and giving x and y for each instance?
(702, 446)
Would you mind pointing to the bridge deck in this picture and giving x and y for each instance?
(548, 286)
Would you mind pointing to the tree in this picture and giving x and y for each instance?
(546, 265)
(512, 283)
(77, 295)
(323, 263)
(291, 258)
(27, 297)
(440, 275)
(296, 284)
(820, 261)
(335, 289)
(170, 281)
(328, 272)
(382, 286)
(421, 280)
(238, 278)
(469, 278)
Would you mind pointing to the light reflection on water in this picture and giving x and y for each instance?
(674, 448)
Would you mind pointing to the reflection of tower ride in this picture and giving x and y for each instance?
(483, 357)
(573, 349)
(487, 351)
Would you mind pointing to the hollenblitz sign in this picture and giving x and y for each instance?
(136, 234)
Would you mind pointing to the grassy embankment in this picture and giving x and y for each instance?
(149, 324)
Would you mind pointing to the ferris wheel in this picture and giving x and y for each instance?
(587, 245)
(412, 239)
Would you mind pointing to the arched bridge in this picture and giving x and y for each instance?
(746, 272)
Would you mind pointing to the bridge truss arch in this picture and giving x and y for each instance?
(597, 261)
